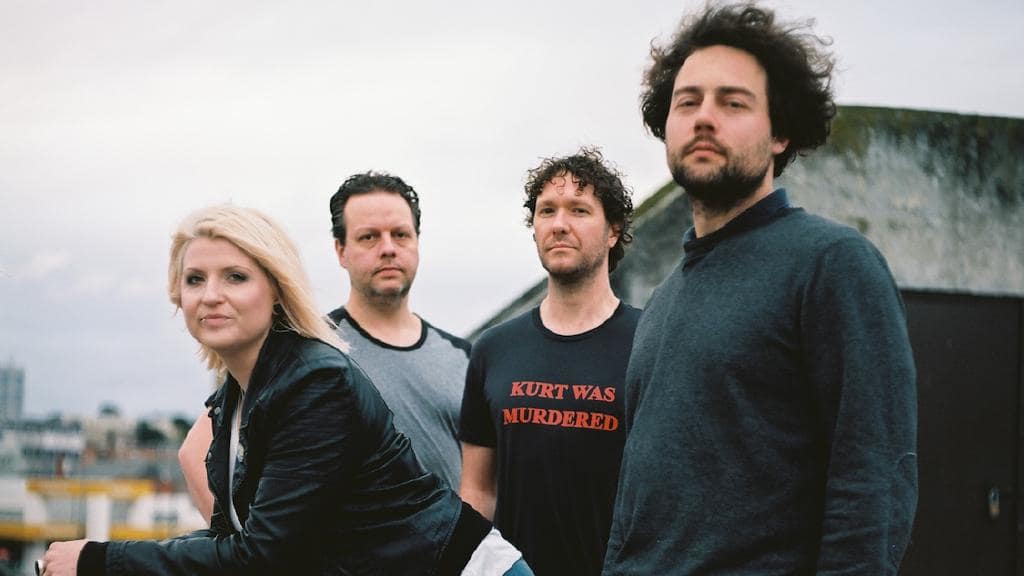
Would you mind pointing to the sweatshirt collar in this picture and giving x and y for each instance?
(764, 211)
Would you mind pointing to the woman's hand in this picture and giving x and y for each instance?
(61, 559)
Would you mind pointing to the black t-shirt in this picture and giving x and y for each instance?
(551, 407)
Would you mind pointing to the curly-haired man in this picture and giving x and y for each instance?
(770, 398)
(541, 415)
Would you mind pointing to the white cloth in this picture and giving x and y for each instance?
(236, 421)
(493, 557)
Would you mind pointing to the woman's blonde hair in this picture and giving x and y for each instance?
(264, 241)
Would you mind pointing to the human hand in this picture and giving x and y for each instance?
(61, 558)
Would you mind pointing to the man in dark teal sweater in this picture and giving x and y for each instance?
(770, 397)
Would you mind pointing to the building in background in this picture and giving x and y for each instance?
(12, 391)
(106, 477)
(50, 447)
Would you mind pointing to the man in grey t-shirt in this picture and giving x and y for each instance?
(418, 369)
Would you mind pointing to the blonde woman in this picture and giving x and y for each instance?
(307, 472)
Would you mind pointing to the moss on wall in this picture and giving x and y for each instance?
(969, 150)
(653, 199)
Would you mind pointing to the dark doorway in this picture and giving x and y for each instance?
(968, 351)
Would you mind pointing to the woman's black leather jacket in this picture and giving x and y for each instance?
(323, 483)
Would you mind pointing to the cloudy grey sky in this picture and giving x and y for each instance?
(117, 118)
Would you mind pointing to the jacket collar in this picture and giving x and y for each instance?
(274, 352)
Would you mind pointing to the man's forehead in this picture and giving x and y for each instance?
(715, 66)
(377, 201)
(379, 221)
(566, 183)
(378, 210)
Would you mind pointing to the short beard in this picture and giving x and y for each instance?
(724, 190)
(387, 298)
(575, 277)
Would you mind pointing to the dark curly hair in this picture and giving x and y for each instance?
(367, 182)
(588, 167)
(799, 71)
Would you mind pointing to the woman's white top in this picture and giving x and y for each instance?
(236, 421)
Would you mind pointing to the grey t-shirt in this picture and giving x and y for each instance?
(422, 384)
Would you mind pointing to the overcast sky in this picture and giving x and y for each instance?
(118, 118)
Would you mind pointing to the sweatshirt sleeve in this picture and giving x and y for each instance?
(862, 371)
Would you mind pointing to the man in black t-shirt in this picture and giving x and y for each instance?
(541, 421)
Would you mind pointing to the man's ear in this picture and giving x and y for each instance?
(779, 145)
(339, 249)
(613, 236)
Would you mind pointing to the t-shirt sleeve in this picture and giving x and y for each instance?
(475, 424)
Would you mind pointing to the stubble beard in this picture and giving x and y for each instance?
(386, 298)
(723, 189)
(576, 275)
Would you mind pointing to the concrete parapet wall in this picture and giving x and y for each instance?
(941, 195)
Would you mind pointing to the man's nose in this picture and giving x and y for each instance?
(387, 244)
(706, 117)
(559, 222)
